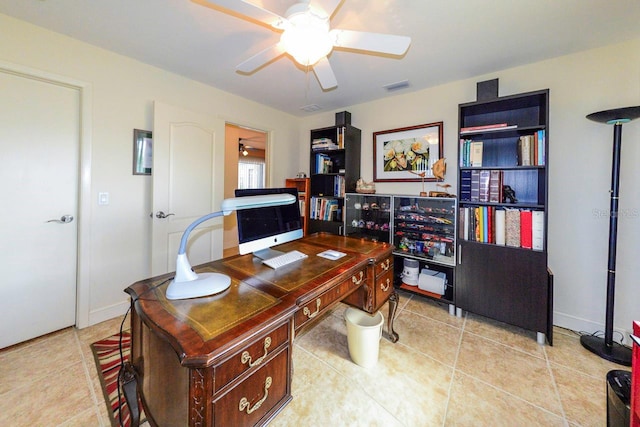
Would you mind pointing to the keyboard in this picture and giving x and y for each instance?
(284, 259)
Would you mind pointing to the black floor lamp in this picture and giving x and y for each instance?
(605, 347)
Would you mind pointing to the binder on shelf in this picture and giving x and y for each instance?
(512, 228)
(525, 229)
(500, 224)
(537, 230)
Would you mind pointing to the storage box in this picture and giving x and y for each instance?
(432, 281)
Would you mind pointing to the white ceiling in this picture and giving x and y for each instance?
(451, 40)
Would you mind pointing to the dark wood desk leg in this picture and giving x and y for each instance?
(390, 334)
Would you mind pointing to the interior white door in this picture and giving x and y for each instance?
(39, 155)
(188, 178)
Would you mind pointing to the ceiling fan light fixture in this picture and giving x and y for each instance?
(307, 38)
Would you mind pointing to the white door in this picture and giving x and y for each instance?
(188, 178)
(39, 155)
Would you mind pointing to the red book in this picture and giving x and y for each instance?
(526, 240)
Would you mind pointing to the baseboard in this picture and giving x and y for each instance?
(108, 313)
(577, 324)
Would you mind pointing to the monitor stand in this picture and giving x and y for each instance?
(268, 253)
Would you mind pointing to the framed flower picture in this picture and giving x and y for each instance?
(407, 154)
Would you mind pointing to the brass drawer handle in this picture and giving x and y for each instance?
(244, 402)
(358, 281)
(385, 288)
(308, 312)
(246, 358)
(385, 264)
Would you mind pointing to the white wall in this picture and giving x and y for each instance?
(579, 168)
(123, 94)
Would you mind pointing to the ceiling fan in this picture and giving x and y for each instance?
(307, 37)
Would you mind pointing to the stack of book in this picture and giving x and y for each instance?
(322, 144)
(531, 149)
(522, 228)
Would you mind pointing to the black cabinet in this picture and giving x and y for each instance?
(501, 270)
(334, 170)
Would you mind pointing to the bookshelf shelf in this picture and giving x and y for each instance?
(501, 269)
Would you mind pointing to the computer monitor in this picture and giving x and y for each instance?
(261, 228)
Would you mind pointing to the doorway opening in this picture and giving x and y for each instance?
(245, 167)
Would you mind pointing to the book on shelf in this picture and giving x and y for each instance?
(340, 136)
(495, 186)
(484, 176)
(465, 185)
(487, 128)
(475, 186)
(476, 154)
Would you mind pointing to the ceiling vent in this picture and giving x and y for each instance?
(311, 108)
(396, 86)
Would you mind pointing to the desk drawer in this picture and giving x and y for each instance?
(264, 391)
(319, 305)
(251, 356)
(384, 266)
(383, 287)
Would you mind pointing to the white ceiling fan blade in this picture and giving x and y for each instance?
(327, 6)
(374, 42)
(324, 74)
(261, 58)
(247, 10)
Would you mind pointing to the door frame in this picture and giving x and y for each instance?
(83, 245)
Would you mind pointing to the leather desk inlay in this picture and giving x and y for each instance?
(290, 277)
(211, 316)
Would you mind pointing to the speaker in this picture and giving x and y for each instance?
(343, 118)
(487, 90)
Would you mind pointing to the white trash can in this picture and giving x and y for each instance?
(363, 336)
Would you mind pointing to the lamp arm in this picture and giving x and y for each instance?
(194, 224)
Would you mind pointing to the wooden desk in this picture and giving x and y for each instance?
(225, 360)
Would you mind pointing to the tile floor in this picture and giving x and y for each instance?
(444, 371)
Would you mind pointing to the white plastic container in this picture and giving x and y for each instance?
(410, 272)
(363, 336)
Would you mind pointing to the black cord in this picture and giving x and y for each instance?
(121, 371)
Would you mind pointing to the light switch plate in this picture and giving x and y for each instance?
(103, 198)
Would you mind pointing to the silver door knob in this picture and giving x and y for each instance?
(162, 215)
(64, 219)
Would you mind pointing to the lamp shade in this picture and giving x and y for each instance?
(616, 115)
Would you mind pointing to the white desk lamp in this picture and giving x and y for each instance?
(188, 284)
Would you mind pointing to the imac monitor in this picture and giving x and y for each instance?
(261, 228)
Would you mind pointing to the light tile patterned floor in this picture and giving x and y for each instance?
(444, 371)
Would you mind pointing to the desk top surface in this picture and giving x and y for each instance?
(259, 297)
